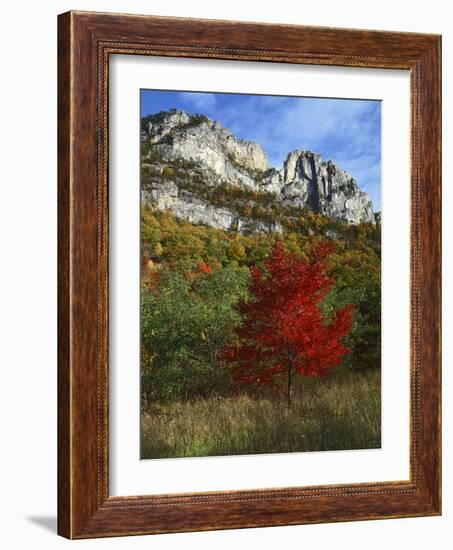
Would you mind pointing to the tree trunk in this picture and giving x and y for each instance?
(289, 389)
(211, 373)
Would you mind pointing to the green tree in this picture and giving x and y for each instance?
(186, 320)
(366, 333)
(359, 282)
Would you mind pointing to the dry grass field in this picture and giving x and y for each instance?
(342, 412)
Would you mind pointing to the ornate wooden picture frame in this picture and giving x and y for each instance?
(85, 507)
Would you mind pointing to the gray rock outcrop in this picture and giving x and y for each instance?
(199, 151)
(306, 180)
(166, 195)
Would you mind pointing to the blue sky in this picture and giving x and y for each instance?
(346, 131)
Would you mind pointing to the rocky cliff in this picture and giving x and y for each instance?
(198, 169)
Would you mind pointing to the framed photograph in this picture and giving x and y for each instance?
(249, 275)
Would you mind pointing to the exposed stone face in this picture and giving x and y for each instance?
(309, 181)
(206, 142)
(167, 196)
(217, 157)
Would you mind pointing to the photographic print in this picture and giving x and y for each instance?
(219, 315)
(260, 274)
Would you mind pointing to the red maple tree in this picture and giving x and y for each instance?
(284, 330)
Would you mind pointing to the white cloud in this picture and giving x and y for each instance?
(199, 100)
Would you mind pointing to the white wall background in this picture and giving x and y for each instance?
(28, 270)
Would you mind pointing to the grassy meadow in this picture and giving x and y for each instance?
(340, 412)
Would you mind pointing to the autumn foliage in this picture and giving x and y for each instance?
(284, 331)
(205, 268)
(227, 314)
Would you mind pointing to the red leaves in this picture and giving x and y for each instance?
(284, 327)
(204, 268)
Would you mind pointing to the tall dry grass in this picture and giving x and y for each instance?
(343, 412)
